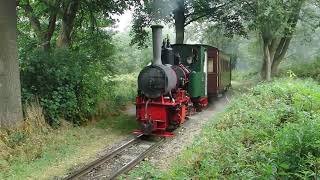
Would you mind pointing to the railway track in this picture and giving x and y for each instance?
(118, 161)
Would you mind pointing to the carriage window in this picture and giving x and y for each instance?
(210, 65)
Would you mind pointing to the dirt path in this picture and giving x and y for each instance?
(169, 151)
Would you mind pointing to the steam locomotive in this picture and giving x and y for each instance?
(178, 83)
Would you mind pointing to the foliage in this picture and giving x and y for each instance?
(53, 23)
(247, 142)
(69, 81)
(192, 11)
(144, 171)
(35, 151)
(255, 140)
(73, 86)
(304, 70)
(305, 43)
(276, 21)
(129, 58)
(98, 46)
(67, 84)
(241, 76)
(122, 89)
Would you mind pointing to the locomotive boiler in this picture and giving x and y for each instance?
(157, 79)
(176, 84)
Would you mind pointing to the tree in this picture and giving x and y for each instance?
(10, 92)
(57, 20)
(49, 12)
(182, 13)
(276, 20)
(277, 35)
(69, 12)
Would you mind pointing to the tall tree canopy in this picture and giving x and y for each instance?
(57, 20)
(181, 13)
(276, 21)
(65, 51)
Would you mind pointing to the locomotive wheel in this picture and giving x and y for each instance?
(199, 108)
(146, 137)
(146, 128)
(172, 126)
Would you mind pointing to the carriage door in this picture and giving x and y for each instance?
(212, 67)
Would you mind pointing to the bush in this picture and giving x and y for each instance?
(272, 132)
(305, 70)
(122, 88)
(68, 85)
(241, 75)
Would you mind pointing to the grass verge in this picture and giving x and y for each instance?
(303, 70)
(271, 132)
(35, 151)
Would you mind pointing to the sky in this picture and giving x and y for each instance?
(124, 21)
(124, 24)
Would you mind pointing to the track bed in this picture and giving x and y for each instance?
(118, 161)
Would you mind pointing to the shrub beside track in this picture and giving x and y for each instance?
(272, 132)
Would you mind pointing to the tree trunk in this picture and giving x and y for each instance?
(275, 67)
(263, 72)
(179, 21)
(51, 28)
(283, 45)
(10, 90)
(274, 49)
(274, 52)
(282, 49)
(269, 50)
(267, 63)
(69, 15)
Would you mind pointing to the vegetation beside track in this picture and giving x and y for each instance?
(304, 70)
(272, 131)
(42, 152)
(35, 150)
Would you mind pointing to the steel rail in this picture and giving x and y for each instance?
(86, 169)
(135, 161)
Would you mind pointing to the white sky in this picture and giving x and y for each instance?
(124, 21)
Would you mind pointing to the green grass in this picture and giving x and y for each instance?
(121, 123)
(271, 132)
(36, 151)
(145, 170)
(45, 155)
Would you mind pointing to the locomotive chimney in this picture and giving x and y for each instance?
(156, 40)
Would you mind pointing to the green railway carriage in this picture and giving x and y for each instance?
(210, 69)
